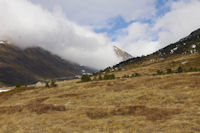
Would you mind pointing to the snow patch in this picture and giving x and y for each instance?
(4, 90)
(194, 46)
(1, 42)
(184, 62)
(174, 49)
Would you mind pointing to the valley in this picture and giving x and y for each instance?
(147, 103)
(99, 66)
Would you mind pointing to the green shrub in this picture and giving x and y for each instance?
(85, 78)
(112, 76)
(193, 69)
(179, 70)
(47, 84)
(100, 77)
(169, 71)
(95, 78)
(109, 76)
(119, 69)
(18, 85)
(108, 69)
(159, 72)
(135, 75)
(125, 76)
(53, 83)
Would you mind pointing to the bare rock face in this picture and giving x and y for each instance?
(122, 54)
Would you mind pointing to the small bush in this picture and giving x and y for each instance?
(159, 72)
(109, 77)
(18, 85)
(135, 75)
(169, 71)
(193, 69)
(112, 76)
(47, 84)
(100, 77)
(125, 76)
(119, 69)
(95, 78)
(53, 83)
(179, 70)
(85, 78)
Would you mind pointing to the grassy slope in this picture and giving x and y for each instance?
(148, 104)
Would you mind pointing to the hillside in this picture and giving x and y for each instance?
(161, 103)
(33, 64)
(186, 46)
(153, 100)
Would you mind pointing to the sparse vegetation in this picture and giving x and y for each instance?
(100, 77)
(160, 72)
(53, 83)
(18, 85)
(95, 78)
(136, 75)
(50, 84)
(125, 76)
(169, 71)
(120, 105)
(85, 78)
(179, 69)
(142, 99)
(47, 84)
(109, 76)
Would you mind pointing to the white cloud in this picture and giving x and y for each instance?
(137, 39)
(96, 12)
(179, 22)
(26, 24)
(144, 38)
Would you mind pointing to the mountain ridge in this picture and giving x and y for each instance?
(185, 46)
(122, 54)
(33, 64)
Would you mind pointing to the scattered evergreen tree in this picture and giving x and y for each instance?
(135, 75)
(195, 69)
(85, 78)
(95, 78)
(119, 69)
(18, 85)
(179, 70)
(100, 77)
(108, 69)
(112, 76)
(106, 77)
(109, 76)
(159, 72)
(169, 71)
(53, 83)
(125, 76)
(47, 84)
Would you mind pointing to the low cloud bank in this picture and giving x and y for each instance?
(26, 24)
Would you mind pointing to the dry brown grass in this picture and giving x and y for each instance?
(152, 114)
(33, 108)
(147, 104)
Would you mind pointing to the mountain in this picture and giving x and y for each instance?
(33, 64)
(122, 54)
(186, 46)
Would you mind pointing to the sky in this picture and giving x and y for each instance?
(85, 31)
